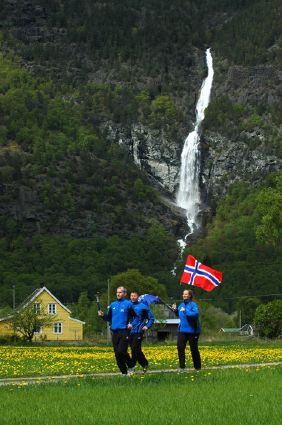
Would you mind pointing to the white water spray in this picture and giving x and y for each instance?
(188, 196)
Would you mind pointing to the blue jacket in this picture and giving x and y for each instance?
(189, 319)
(119, 314)
(144, 317)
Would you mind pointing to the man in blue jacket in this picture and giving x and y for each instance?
(119, 314)
(139, 324)
(188, 330)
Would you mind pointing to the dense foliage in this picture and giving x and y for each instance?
(268, 319)
(74, 209)
(234, 243)
(254, 123)
(68, 266)
(253, 36)
(51, 153)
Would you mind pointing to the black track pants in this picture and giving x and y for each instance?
(135, 341)
(182, 339)
(120, 341)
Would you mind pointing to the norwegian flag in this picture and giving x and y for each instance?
(198, 274)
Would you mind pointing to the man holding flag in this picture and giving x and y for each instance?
(189, 329)
(195, 274)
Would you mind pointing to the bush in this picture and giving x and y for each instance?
(268, 319)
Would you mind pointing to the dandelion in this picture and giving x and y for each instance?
(44, 361)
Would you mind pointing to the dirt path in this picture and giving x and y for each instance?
(47, 379)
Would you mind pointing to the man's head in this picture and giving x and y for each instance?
(134, 295)
(121, 292)
(187, 294)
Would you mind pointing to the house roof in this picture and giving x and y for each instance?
(32, 297)
(246, 327)
(35, 294)
(77, 320)
(169, 321)
(230, 330)
(2, 319)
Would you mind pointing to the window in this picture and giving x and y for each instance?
(36, 308)
(52, 308)
(37, 329)
(58, 328)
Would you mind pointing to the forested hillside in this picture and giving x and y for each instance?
(244, 242)
(96, 99)
(59, 177)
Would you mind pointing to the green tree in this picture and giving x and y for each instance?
(269, 201)
(268, 319)
(29, 320)
(86, 310)
(246, 309)
(163, 112)
(214, 318)
(134, 280)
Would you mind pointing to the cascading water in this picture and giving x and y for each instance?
(188, 196)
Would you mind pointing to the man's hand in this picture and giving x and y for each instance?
(100, 313)
(173, 306)
(129, 326)
(144, 329)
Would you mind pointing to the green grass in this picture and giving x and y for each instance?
(239, 397)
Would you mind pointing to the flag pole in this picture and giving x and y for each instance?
(98, 301)
(167, 305)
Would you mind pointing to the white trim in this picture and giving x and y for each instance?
(58, 333)
(6, 318)
(37, 309)
(52, 313)
(50, 293)
(77, 320)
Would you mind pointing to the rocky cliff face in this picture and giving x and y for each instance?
(225, 162)
(248, 154)
(224, 159)
(152, 151)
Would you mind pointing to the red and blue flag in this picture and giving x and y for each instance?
(197, 274)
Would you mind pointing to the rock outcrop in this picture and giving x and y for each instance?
(224, 160)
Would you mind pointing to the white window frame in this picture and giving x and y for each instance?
(52, 308)
(37, 307)
(60, 325)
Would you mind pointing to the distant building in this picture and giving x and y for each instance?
(63, 328)
(247, 330)
(166, 329)
(230, 330)
(244, 330)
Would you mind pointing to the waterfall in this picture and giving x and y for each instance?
(188, 196)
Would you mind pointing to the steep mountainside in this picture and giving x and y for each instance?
(153, 54)
(96, 101)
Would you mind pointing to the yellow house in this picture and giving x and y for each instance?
(63, 327)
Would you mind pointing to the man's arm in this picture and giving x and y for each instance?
(131, 315)
(150, 319)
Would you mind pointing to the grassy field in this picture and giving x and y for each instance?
(61, 360)
(232, 397)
